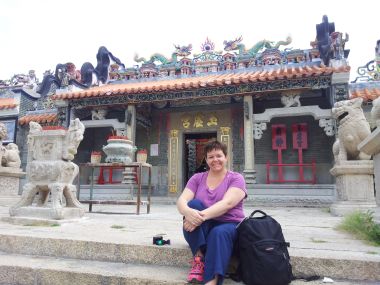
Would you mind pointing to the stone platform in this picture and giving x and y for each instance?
(112, 245)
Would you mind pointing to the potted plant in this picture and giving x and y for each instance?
(96, 157)
(142, 155)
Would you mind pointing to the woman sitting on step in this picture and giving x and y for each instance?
(212, 206)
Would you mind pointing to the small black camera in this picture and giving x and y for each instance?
(158, 240)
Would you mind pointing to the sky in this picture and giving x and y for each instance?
(39, 34)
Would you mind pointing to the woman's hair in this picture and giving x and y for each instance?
(215, 145)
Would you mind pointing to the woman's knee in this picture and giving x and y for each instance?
(196, 204)
(224, 231)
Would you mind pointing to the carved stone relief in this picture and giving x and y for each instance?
(258, 130)
(328, 126)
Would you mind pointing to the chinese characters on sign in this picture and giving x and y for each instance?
(278, 137)
(199, 121)
(299, 132)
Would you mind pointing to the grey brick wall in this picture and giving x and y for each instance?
(319, 144)
(319, 149)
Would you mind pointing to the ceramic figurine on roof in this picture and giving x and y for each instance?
(324, 41)
(5, 83)
(179, 51)
(66, 74)
(338, 43)
(26, 80)
(259, 46)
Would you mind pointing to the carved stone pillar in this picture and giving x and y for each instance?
(249, 154)
(130, 121)
(226, 139)
(173, 162)
(63, 112)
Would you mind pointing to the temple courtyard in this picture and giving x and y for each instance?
(113, 245)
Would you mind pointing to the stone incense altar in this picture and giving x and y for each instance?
(50, 171)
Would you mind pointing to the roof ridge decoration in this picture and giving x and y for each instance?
(371, 70)
(256, 48)
(182, 51)
(66, 74)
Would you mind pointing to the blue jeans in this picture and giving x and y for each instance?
(216, 241)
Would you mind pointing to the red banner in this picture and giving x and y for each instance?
(299, 132)
(278, 137)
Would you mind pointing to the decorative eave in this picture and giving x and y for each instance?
(8, 104)
(369, 91)
(270, 78)
(40, 117)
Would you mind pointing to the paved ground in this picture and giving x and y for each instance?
(310, 231)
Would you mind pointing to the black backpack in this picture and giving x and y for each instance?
(262, 251)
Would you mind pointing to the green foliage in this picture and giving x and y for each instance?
(363, 226)
(41, 224)
(318, 240)
(117, 227)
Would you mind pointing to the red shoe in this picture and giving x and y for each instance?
(196, 272)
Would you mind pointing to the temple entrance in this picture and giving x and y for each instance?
(193, 149)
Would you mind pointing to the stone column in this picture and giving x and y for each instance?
(249, 154)
(62, 112)
(130, 120)
(371, 146)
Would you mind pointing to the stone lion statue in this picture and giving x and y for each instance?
(375, 112)
(11, 156)
(353, 128)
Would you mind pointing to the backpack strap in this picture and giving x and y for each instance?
(258, 211)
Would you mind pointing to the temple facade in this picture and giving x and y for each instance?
(270, 103)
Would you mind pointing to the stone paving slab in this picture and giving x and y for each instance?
(36, 270)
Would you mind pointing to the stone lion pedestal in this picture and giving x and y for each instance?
(354, 185)
(50, 174)
(9, 185)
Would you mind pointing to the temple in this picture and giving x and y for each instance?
(270, 103)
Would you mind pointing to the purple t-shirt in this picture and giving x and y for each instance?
(198, 185)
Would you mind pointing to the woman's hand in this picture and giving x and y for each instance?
(187, 226)
(194, 217)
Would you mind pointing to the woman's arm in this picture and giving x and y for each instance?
(232, 197)
(192, 216)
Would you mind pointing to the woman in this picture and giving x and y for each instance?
(212, 206)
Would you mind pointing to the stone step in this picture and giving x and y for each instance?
(349, 265)
(39, 270)
(308, 195)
